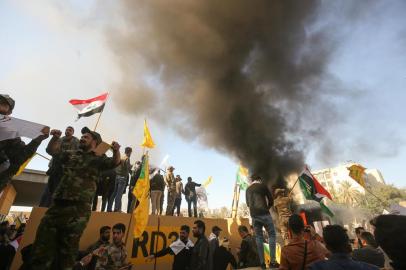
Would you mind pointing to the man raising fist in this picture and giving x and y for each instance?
(58, 235)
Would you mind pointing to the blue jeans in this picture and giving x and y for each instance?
(264, 221)
(121, 183)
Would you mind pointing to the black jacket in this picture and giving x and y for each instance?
(200, 254)
(259, 199)
(222, 257)
(190, 190)
(369, 255)
(181, 260)
(248, 255)
(157, 183)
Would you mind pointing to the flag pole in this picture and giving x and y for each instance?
(156, 244)
(291, 190)
(98, 118)
(43, 156)
(235, 201)
(370, 192)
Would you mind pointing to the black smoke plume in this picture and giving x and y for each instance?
(238, 75)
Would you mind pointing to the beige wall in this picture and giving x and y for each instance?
(169, 229)
(7, 197)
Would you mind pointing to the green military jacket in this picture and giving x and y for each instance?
(114, 257)
(81, 172)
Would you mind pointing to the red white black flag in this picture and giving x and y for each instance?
(88, 107)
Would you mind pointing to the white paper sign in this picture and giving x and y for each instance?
(11, 128)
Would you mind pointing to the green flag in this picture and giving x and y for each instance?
(242, 177)
(326, 210)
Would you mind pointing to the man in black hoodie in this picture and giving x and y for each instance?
(259, 200)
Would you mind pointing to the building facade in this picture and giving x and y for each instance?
(333, 178)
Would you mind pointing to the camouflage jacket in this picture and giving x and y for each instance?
(282, 206)
(170, 181)
(72, 144)
(114, 257)
(81, 171)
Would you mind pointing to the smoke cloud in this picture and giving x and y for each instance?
(242, 77)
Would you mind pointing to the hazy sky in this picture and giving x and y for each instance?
(52, 51)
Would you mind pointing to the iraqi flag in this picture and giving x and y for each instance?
(88, 107)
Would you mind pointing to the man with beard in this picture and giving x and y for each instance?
(68, 142)
(103, 241)
(181, 249)
(114, 256)
(59, 232)
(200, 254)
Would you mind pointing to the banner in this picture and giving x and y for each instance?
(202, 197)
(11, 128)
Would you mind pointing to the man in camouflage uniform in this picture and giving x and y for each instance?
(57, 240)
(171, 184)
(67, 142)
(114, 256)
(14, 152)
(282, 208)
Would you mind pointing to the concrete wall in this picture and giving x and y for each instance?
(138, 251)
(29, 186)
(7, 197)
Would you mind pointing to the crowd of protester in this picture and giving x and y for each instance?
(112, 184)
(10, 239)
(77, 176)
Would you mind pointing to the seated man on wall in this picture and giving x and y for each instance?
(181, 249)
(114, 256)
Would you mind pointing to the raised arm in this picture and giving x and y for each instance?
(116, 153)
(54, 146)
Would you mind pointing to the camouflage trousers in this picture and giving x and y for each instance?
(57, 241)
(283, 226)
(170, 204)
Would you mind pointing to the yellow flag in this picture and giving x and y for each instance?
(147, 141)
(22, 167)
(141, 193)
(208, 182)
(357, 173)
(267, 255)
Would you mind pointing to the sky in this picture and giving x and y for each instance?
(53, 51)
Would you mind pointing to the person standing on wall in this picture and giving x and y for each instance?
(191, 196)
